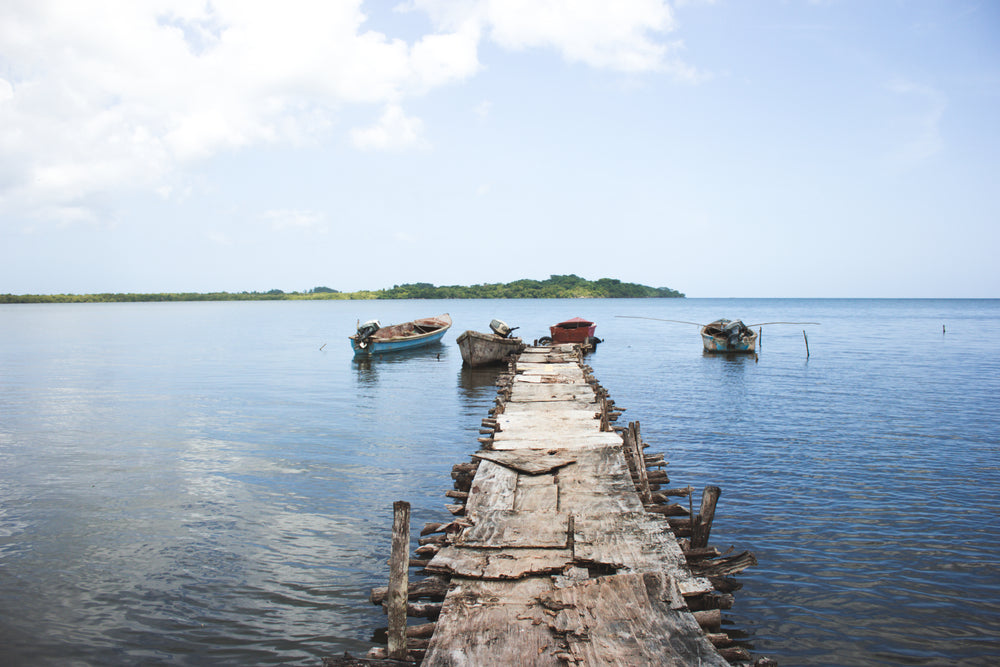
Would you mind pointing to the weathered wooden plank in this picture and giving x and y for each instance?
(562, 413)
(494, 623)
(633, 542)
(536, 493)
(630, 619)
(555, 440)
(492, 488)
(546, 379)
(525, 392)
(569, 370)
(497, 529)
(603, 499)
(636, 541)
(529, 461)
(551, 418)
(496, 564)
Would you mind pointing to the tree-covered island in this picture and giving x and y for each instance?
(555, 287)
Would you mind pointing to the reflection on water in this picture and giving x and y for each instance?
(473, 379)
(368, 366)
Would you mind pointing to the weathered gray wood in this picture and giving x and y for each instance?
(528, 392)
(701, 527)
(496, 529)
(398, 579)
(629, 620)
(492, 489)
(434, 588)
(536, 493)
(555, 440)
(499, 564)
(531, 461)
(494, 623)
(725, 566)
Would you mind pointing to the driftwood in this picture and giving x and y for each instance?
(672, 509)
(434, 588)
(725, 566)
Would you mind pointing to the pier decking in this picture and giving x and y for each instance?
(564, 551)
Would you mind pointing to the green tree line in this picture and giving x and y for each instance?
(555, 287)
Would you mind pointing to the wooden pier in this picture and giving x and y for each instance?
(566, 547)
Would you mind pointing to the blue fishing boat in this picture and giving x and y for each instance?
(372, 338)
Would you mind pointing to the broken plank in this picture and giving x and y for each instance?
(528, 461)
(497, 529)
(629, 620)
(494, 623)
(495, 564)
(492, 489)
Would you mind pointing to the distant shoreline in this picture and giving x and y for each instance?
(555, 287)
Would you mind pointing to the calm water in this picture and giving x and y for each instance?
(211, 483)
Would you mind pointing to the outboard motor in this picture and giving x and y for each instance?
(500, 328)
(733, 331)
(365, 332)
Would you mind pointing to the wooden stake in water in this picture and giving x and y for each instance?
(806, 338)
(399, 583)
(701, 525)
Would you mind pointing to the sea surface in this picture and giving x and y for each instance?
(212, 483)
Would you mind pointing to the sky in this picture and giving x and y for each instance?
(775, 148)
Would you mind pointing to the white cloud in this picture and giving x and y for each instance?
(109, 95)
(615, 35)
(625, 35)
(393, 131)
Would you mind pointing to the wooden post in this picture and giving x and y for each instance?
(399, 583)
(804, 336)
(701, 526)
(640, 463)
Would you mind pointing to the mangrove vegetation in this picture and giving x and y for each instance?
(555, 287)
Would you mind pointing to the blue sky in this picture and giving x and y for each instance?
(779, 148)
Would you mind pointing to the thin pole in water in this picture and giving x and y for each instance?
(806, 338)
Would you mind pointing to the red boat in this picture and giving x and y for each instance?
(576, 330)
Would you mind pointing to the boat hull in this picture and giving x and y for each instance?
(714, 344)
(398, 337)
(576, 330)
(737, 339)
(482, 349)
